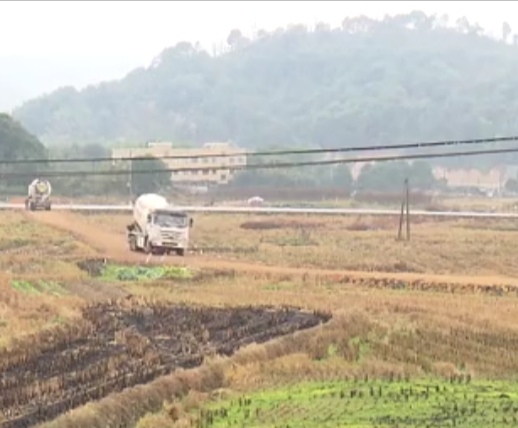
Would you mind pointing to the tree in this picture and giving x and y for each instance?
(336, 176)
(511, 185)
(18, 144)
(421, 174)
(94, 150)
(506, 31)
(236, 39)
(405, 78)
(390, 176)
(144, 181)
(342, 176)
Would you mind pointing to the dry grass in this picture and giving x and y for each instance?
(478, 204)
(23, 314)
(31, 252)
(376, 332)
(368, 244)
(388, 335)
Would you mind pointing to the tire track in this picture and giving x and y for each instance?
(112, 244)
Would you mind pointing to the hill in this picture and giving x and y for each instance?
(26, 76)
(18, 144)
(405, 78)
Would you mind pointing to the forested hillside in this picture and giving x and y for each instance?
(405, 78)
(18, 144)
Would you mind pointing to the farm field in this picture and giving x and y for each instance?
(42, 378)
(332, 305)
(460, 247)
(370, 403)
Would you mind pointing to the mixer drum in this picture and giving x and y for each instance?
(41, 187)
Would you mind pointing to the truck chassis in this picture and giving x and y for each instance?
(138, 242)
(35, 204)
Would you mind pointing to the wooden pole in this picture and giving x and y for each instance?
(401, 217)
(407, 199)
(130, 179)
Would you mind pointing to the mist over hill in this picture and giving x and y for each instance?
(23, 77)
(405, 78)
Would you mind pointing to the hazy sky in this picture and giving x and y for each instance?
(47, 44)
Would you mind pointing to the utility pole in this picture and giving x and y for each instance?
(401, 217)
(407, 197)
(130, 181)
(405, 203)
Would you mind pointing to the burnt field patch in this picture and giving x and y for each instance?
(122, 344)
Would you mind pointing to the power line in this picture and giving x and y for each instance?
(262, 166)
(402, 146)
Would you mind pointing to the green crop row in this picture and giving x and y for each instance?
(112, 272)
(370, 404)
(38, 287)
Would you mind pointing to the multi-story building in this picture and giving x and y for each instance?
(195, 166)
(492, 180)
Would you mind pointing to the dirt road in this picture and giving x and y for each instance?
(112, 245)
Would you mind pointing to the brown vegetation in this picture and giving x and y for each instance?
(314, 194)
(282, 224)
(115, 346)
(393, 315)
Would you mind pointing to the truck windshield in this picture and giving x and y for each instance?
(170, 220)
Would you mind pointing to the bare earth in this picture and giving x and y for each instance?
(112, 244)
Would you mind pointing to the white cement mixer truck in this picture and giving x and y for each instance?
(38, 197)
(157, 227)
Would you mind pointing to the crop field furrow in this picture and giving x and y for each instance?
(430, 404)
(124, 344)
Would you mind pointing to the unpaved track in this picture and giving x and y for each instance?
(112, 244)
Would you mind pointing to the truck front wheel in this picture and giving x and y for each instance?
(133, 244)
(147, 247)
(181, 252)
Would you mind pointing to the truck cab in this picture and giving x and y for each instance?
(38, 195)
(166, 230)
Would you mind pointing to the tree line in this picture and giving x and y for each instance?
(121, 178)
(17, 144)
(410, 77)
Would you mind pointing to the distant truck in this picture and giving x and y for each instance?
(38, 197)
(157, 227)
